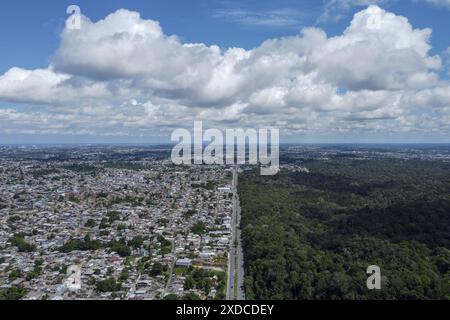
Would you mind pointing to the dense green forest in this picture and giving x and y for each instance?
(313, 235)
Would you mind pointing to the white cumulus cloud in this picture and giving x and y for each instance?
(124, 75)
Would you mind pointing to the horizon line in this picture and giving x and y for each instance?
(206, 143)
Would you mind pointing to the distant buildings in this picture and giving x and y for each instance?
(142, 212)
(184, 263)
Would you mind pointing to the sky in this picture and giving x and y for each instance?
(321, 71)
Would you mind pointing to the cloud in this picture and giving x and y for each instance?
(45, 86)
(123, 75)
(124, 46)
(371, 55)
(277, 18)
(336, 10)
(443, 3)
(30, 85)
(446, 58)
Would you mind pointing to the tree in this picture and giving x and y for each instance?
(124, 275)
(18, 241)
(90, 223)
(120, 248)
(157, 269)
(191, 296)
(313, 235)
(108, 285)
(189, 283)
(199, 228)
(81, 245)
(13, 293)
(15, 274)
(136, 242)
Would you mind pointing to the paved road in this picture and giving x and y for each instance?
(236, 259)
(171, 267)
(231, 256)
(240, 258)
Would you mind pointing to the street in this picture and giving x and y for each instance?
(235, 286)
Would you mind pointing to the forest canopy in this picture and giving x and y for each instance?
(312, 235)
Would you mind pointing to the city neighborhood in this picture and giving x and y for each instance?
(117, 229)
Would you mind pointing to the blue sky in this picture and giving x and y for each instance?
(31, 38)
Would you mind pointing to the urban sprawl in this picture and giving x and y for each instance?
(96, 224)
